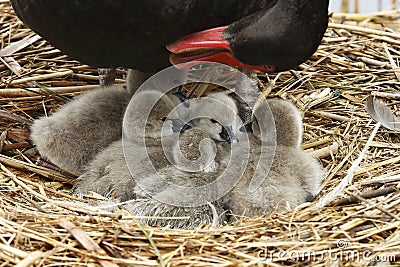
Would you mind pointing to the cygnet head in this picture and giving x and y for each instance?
(153, 124)
(217, 115)
(279, 121)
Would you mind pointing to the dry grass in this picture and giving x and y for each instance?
(41, 224)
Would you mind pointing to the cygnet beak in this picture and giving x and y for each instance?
(247, 128)
(228, 135)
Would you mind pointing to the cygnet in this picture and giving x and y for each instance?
(73, 135)
(109, 169)
(289, 174)
(153, 193)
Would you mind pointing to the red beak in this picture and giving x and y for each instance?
(206, 45)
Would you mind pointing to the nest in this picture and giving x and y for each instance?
(42, 224)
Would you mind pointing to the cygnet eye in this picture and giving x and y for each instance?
(213, 121)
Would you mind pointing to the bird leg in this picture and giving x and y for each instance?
(248, 93)
(106, 76)
(181, 95)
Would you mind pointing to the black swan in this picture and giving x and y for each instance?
(256, 34)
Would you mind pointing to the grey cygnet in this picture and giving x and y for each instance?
(214, 112)
(290, 175)
(72, 136)
(199, 151)
(108, 174)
